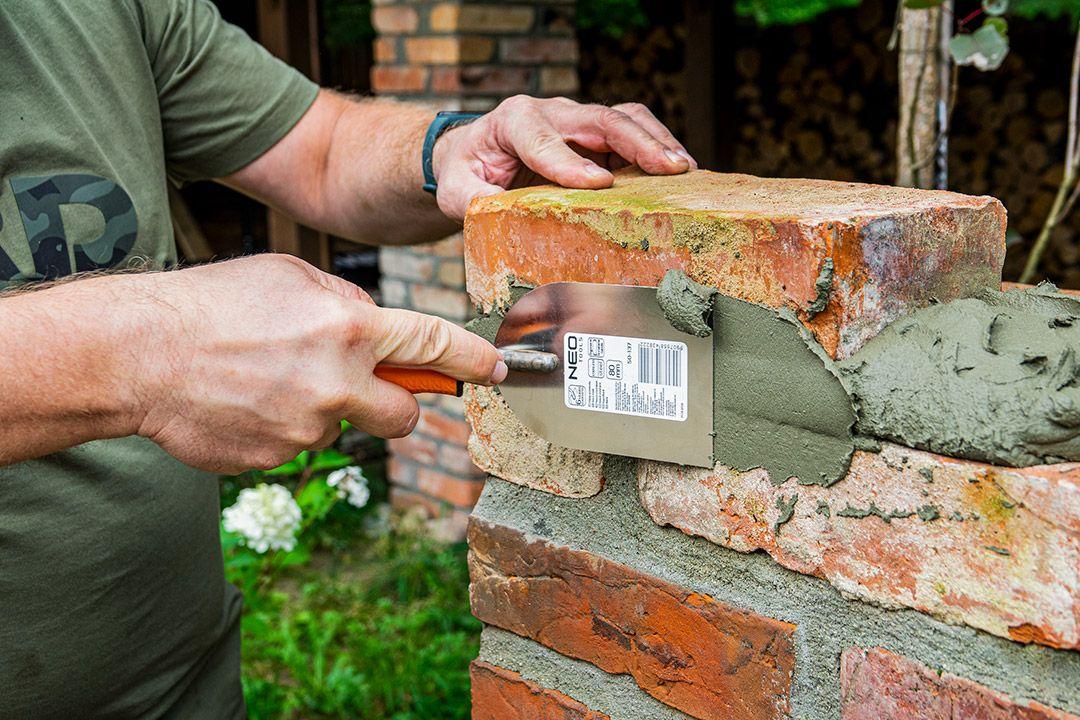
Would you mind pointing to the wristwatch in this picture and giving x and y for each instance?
(445, 120)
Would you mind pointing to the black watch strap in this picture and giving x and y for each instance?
(445, 120)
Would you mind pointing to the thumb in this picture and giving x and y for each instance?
(460, 186)
(413, 339)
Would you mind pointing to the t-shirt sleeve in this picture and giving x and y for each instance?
(224, 99)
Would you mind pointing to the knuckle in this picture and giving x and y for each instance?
(610, 117)
(516, 103)
(435, 340)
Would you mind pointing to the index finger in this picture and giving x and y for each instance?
(412, 339)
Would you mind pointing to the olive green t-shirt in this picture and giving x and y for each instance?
(113, 601)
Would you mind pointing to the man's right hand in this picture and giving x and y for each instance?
(253, 360)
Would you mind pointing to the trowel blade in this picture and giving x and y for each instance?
(627, 382)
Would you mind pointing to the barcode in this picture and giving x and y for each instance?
(660, 365)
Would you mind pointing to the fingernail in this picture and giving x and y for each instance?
(674, 158)
(499, 373)
(692, 161)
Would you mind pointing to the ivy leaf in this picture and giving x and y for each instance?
(985, 48)
(922, 4)
(995, 8)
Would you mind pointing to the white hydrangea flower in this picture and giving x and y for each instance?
(266, 517)
(351, 485)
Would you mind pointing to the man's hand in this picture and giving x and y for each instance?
(526, 140)
(265, 356)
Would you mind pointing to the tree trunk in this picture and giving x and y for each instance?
(921, 143)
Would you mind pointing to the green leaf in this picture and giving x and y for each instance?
(330, 459)
(999, 24)
(995, 8)
(1051, 9)
(922, 4)
(985, 49)
(316, 500)
(788, 12)
(294, 467)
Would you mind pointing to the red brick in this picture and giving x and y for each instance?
(452, 246)
(991, 547)
(501, 694)
(454, 490)
(404, 263)
(452, 273)
(444, 302)
(497, 79)
(449, 50)
(454, 17)
(761, 240)
(455, 459)
(879, 685)
(446, 80)
(559, 81)
(400, 472)
(416, 448)
(394, 19)
(385, 50)
(708, 659)
(536, 51)
(442, 427)
(398, 78)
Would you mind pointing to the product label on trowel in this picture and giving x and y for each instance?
(628, 376)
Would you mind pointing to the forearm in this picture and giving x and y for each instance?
(353, 169)
(69, 372)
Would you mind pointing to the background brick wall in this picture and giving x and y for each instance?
(456, 56)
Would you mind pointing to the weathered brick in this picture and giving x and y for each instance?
(879, 685)
(400, 471)
(497, 79)
(419, 449)
(444, 522)
(394, 292)
(454, 17)
(395, 19)
(535, 51)
(446, 80)
(502, 446)
(449, 303)
(392, 79)
(501, 694)
(559, 81)
(407, 264)
(710, 660)
(452, 273)
(449, 50)
(454, 490)
(762, 240)
(385, 50)
(991, 547)
(443, 427)
(455, 458)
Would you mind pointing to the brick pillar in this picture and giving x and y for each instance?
(456, 56)
(918, 586)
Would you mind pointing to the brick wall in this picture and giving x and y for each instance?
(918, 586)
(452, 56)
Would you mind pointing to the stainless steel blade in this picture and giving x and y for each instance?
(540, 321)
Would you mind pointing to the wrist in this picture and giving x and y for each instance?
(436, 143)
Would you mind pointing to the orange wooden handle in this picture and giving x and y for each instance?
(416, 380)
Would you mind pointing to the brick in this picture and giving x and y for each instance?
(452, 274)
(555, 20)
(449, 50)
(406, 264)
(395, 19)
(443, 427)
(444, 523)
(454, 490)
(879, 685)
(400, 471)
(535, 51)
(455, 458)
(418, 449)
(444, 302)
(501, 694)
(452, 246)
(497, 79)
(502, 446)
(761, 240)
(446, 80)
(453, 17)
(394, 292)
(385, 50)
(693, 653)
(398, 78)
(559, 81)
(994, 548)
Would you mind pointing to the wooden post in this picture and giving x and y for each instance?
(290, 30)
(921, 143)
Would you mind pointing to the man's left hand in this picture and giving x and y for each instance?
(528, 140)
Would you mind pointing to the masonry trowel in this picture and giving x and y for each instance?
(598, 367)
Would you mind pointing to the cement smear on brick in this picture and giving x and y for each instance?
(994, 378)
(687, 305)
(777, 402)
(617, 696)
(613, 524)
